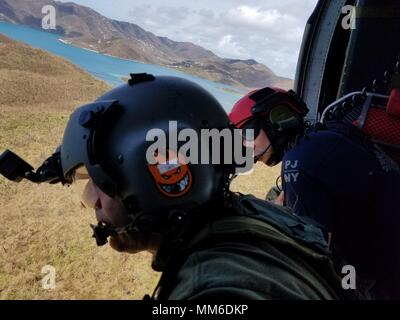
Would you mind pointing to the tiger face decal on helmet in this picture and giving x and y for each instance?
(173, 177)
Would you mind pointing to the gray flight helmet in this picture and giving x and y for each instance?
(108, 138)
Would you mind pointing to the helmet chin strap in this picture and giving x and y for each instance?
(103, 230)
(256, 158)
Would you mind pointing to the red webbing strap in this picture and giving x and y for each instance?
(393, 107)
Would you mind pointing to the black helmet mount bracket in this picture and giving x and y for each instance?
(140, 77)
(16, 169)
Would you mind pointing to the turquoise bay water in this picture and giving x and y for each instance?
(107, 68)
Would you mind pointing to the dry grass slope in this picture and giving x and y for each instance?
(44, 225)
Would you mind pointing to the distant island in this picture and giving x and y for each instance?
(84, 27)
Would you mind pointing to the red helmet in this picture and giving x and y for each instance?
(280, 113)
(242, 110)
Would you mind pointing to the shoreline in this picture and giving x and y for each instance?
(80, 47)
(229, 89)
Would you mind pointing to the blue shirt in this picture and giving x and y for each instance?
(336, 177)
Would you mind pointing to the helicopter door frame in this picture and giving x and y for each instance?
(319, 43)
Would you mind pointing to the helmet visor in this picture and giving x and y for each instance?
(252, 129)
(84, 187)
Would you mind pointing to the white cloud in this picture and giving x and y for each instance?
(254, 17)
(270, 22)
(230, 47)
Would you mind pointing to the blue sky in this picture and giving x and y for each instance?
(268, 31)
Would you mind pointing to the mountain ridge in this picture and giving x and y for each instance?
(83, 26)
